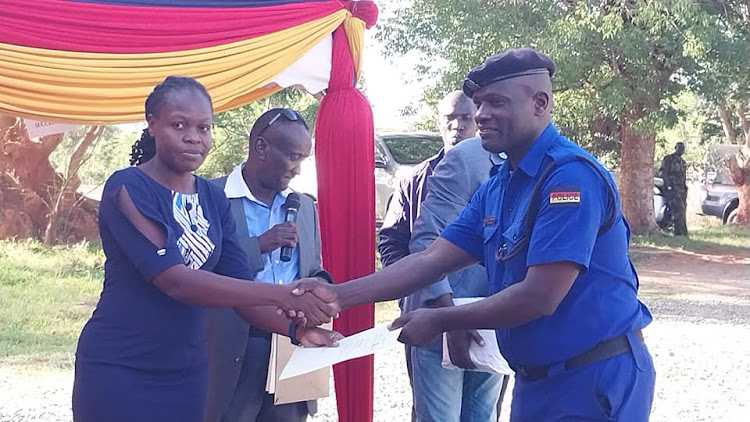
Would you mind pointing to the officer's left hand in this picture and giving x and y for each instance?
(419, 327)
(459, 343)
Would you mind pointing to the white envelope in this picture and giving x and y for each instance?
(486, 358)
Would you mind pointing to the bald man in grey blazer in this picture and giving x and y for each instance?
(457, 395)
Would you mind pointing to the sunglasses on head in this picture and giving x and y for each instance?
(286, 113)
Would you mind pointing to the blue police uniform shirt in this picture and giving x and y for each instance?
(574, 204)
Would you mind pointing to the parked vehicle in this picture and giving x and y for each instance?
(396, 154)
(719, 196)
(662, 213)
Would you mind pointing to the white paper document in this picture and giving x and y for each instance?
(365, 343)
(486, 358)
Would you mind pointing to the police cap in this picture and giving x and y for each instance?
(506, 65)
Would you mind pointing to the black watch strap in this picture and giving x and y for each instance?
(293, 333)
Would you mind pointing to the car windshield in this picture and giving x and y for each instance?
(412, 149)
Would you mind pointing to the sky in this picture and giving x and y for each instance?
(390, 82)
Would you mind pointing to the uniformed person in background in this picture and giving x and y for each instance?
(674, 173)
(550, 232)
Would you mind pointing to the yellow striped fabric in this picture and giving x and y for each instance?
(99, 88)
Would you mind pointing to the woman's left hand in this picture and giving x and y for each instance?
(317, 337)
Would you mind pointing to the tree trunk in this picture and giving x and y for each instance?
(726, 122)
(63, 196)
(739, 169)
(744, 124)
(30, 187)
(77, 159)
(26, 177)
(637, 178)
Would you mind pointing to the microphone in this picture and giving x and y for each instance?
(292, 207)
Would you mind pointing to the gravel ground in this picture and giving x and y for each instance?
(700, 341)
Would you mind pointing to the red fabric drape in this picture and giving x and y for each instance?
(345, 159)
(109, 28)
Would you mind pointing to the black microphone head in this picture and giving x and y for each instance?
(292, 201)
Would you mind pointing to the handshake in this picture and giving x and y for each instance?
(310, 302)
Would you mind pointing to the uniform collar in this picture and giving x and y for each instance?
(532, 161)
(237, 188)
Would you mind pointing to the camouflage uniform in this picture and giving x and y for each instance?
(673, 171)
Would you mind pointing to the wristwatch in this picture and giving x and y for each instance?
(293, 333)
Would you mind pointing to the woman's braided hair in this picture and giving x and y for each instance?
(144, 149)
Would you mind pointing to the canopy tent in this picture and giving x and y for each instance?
(95, 61)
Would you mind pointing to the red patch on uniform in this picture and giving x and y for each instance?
(570, 196)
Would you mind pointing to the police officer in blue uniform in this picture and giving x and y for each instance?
(550, 232)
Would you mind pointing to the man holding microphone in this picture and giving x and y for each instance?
(278, 229)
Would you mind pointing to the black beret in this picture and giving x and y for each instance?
(506, 65)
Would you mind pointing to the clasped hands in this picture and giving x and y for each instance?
(313, 301)
(310, 302)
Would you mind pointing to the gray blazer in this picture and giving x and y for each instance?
(450, 188)
(226, 332)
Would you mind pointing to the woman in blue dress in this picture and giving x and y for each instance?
(169, 239)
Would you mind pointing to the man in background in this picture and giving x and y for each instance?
(674, 173)
(438, 190)
(456, 122)
(449, 190)
(257, 190)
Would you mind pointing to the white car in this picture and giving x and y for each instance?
(396, 154)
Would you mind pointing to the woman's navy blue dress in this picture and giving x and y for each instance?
(142, 356)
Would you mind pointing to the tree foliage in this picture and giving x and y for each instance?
(621, 64)
(109, 152)
(232, 127)
(613, 57)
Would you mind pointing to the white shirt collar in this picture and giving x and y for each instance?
(237, 188)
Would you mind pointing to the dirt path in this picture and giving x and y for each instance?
(695, 287)
(700, 340)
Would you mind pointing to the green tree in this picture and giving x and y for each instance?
(621, 64)
(723, 51)
(109, 152)
(232, 127)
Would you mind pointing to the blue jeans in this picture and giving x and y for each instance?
(617, 389)
(451, 395)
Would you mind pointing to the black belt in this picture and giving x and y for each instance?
(602, 351)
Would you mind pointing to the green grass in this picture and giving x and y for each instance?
(46, 295)
(709, 238)
(386, 312)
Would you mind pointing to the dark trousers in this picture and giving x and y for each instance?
(251, 402)
(620, 388)
(677, 202)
